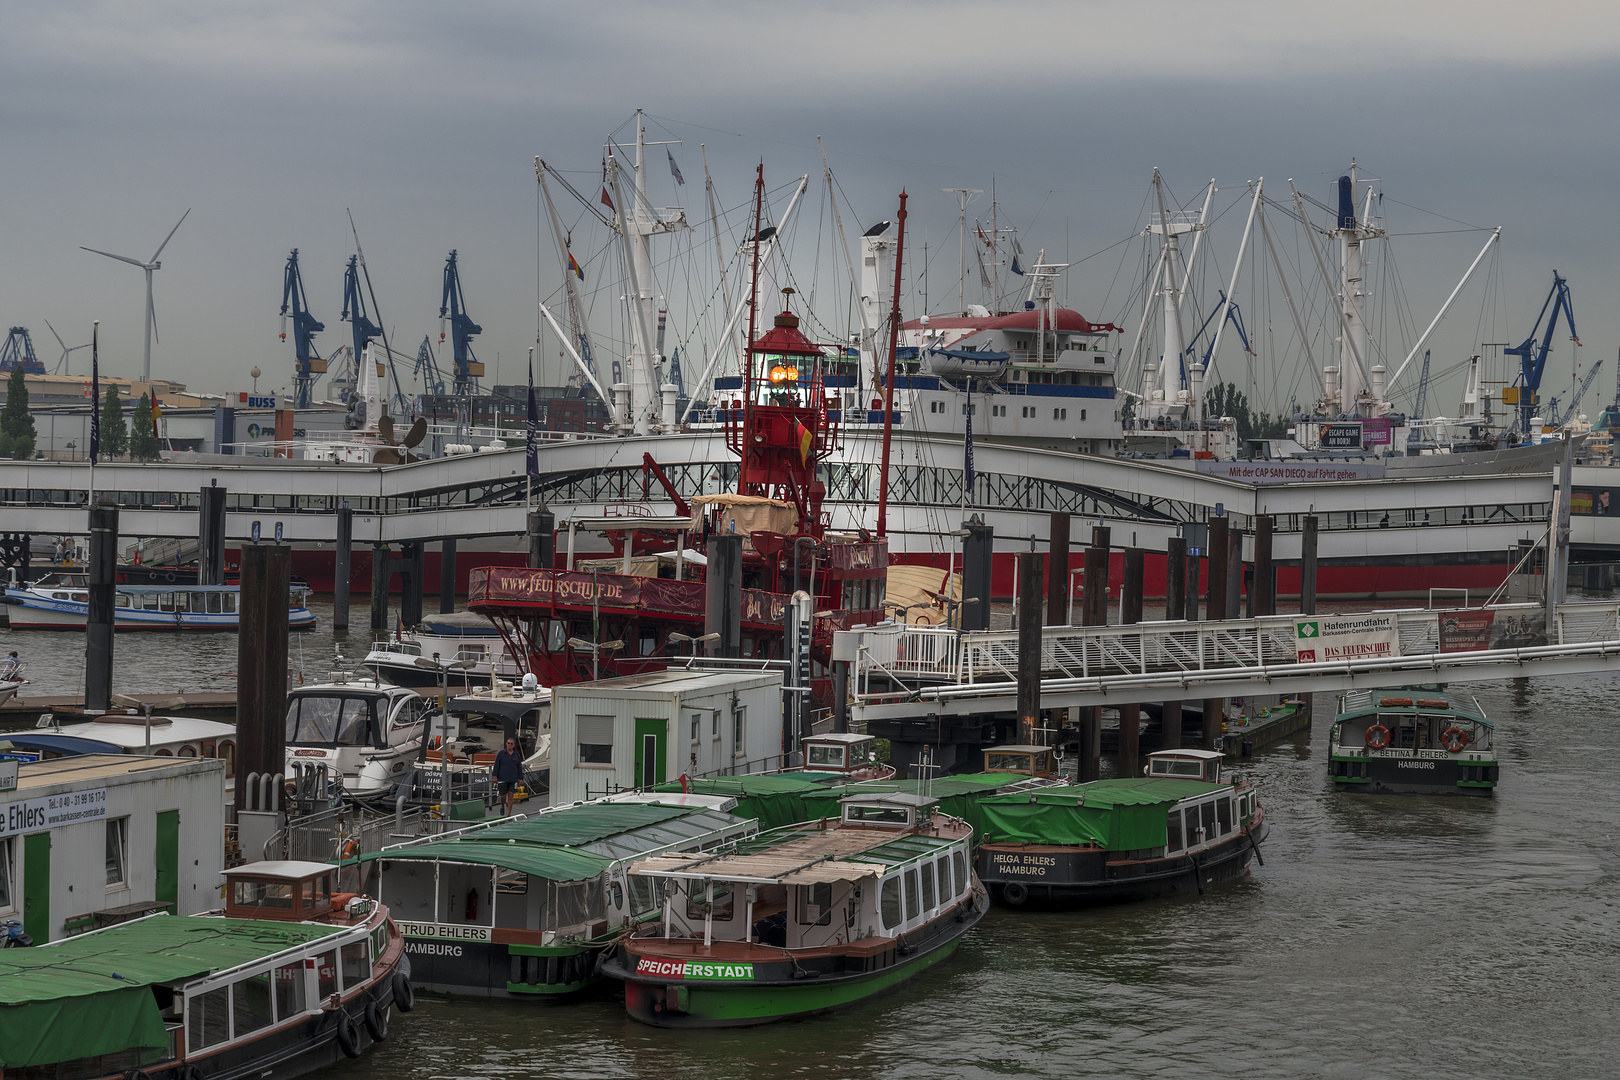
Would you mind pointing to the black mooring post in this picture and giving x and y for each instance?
(261, 666)
(1057, 570)
(1031, 570)
(977, 548)
(542, 525)
(1219, 568)
(341, 567)
(1175, 607)
(379, 586)
(1130, 613)
(1307, 566)
(103, 600)
(723, 595)
(211, 535)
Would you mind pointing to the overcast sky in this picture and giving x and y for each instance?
(271, 120)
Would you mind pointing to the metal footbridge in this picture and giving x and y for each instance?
(908, 673)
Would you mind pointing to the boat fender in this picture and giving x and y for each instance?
(1378, 736)
(377, 1020)
(1015, 893)
(1454, 739)
(404, 994)
(348, 1036)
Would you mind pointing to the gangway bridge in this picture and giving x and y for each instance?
(899, 673)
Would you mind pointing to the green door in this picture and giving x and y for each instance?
(650, 752)
(168, 859)
(37, 886)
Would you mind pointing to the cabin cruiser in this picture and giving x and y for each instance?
(466, 640)
(362, 733)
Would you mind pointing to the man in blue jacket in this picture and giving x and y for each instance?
(508, 772)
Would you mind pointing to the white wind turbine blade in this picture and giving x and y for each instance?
(152, 309)
(110, 255)
(172, 231)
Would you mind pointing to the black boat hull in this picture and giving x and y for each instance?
(1413, 775)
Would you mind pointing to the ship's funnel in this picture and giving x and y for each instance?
(1347, 203)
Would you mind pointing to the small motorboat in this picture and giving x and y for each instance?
(463, 638)
(363, 733)
(802, 919)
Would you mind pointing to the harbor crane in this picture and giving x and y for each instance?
(18, 352)
(462, 330)
(427, 368)
(310, 364)
(1533, 357)
(1558, 418)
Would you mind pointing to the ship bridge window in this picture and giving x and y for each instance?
(876, 815)
(1223, 813)
(1207, 810)
(697, 902)
(1172, 827)
(1176, 767)
(826, 755)
(250, 1003)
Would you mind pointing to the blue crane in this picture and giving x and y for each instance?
(354, 310)
(1533, 358)
(1233, 316)
(427, 368)
(305, 326)
(462, 329)
(18, 352)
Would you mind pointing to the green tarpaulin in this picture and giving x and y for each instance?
(772, 799)
(89, 995)
(959, 795)
(541, 860)
(1119, 815)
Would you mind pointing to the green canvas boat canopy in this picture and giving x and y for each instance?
(90, 995)
(1118, 815)
(772, 799)
(575, 843)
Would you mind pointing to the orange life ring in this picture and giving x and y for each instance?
(1454, 739)
(350, 850)
(1377, 737)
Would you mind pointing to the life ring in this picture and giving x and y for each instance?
(1015, 893)
(404, 993)
(1377, 737)
(168, 576)
(1454, 739)
(350, 850)
(348, 1035)
(377, 1020)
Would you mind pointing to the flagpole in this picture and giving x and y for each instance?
(95, 407)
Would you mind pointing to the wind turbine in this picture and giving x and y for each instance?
(62, 364)
(149, 266)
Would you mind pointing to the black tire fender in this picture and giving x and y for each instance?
(348, 1035)
(376, 1020)
(1015, 893)
(404, 993)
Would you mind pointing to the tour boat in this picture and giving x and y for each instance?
(52, 604)
(802, 919)
(1176, 829)
(1421, 740)
(524, 907)
(286, 979)
(362, 732)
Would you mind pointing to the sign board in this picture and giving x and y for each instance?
(1323, 639)
(8, 775)
(1302, 471)
(256, 401)
(50, 811)
(453, 931)
(1380, 432)
(1341, 436)
(1466, 631)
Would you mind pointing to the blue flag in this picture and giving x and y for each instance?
(1015, 268)
(531, 432)
(674, 169)
(95, 394)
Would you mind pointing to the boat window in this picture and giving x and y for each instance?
(618, 896)
(214, 603)
(250, 1003)
(1223, 811)
(123, 601)
(1173, 831)
(596, 740)
(354, 725)
(929, 899)
(208, 1018)
(876, 815)
(290, 989)
(889, 902)
(356, 963)
(511, 882)
(912, 894)
(326, 975)
(323, 892)
(312, 719)
(1208, 812)
(826, 755)
(815, 904)
(960, 860)
(227, 750)
(1176, 767)
(150, 602)
(262, 894)
(1007, 763)
(697, 898)
(571, 905)
(230, 603)
(642, 895)
(188, 750)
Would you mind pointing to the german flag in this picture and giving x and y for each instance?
(805, 440)
(157, 414)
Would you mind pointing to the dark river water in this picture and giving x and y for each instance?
(1394, 936)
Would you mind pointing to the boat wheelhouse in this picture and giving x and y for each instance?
(52, 605)
(363, 733)
(849, 755)
(463, 638)
(1177, 829)
(803, 919)
(1032, 761)
(525, 906)
(1422, 740)
(289, 977)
